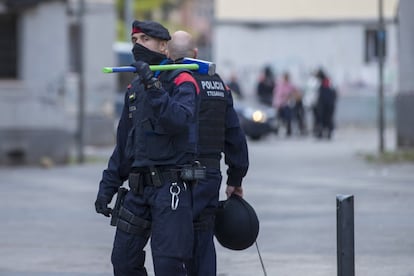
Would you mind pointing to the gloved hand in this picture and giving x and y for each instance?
(144, 71)
(101, 207)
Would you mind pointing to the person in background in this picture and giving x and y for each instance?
(155, 139)
(265, 86)
(234, 86)
(325, 107)
(299, 113)
(285, 97)
(219, 132)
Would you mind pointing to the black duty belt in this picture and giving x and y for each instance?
(161, 168)
(210, 162)
(151, 176)
(148, 178)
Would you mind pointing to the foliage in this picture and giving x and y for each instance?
(391, 157)
(120, 30)
(145, 10)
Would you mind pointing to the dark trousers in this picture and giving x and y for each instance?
(299, 112)
(171, 233)
(285, 115)
(324, 121)
(205, 202)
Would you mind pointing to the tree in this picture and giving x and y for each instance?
(158, 10)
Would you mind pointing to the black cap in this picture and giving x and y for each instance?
(151, 28)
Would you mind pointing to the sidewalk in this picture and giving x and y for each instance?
(50, 226)
(296, 204)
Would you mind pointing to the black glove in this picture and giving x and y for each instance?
(101, 207)
(144, 71)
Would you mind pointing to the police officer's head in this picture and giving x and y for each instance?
(182, 45)
(150, 41)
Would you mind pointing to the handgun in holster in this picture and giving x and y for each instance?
(118, 203)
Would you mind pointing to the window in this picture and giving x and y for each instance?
(372, 45)
(8, 46)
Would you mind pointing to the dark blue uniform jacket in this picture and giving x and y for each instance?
(162, 116)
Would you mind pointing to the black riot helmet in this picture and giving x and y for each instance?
(236, 225)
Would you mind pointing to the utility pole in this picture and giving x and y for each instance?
(81, 83)
(381, 50)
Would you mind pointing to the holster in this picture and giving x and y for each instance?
(118, 203)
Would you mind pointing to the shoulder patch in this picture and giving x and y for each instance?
(186, 77)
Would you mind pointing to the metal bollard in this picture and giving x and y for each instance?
(345, 235)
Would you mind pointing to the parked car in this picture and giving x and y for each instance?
(256, 120)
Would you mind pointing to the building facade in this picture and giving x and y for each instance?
(339, 36)
(39, 84)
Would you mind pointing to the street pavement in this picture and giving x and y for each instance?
(49, 225)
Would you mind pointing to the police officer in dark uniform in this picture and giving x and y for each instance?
(219, 132)
(156, 135)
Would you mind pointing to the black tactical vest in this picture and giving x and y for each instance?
(148, 143)
(212, 113)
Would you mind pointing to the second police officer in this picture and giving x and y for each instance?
(219, 132)
(155, 136)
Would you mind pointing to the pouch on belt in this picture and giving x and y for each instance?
(136, 183)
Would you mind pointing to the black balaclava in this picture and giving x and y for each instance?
(144, 54)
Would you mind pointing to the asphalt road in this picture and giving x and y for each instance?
(49, 226)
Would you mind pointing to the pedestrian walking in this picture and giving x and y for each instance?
(287, 100)
(219, 132)
(325, 107)
(265, 86)
(234, 86)
(156, 137)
